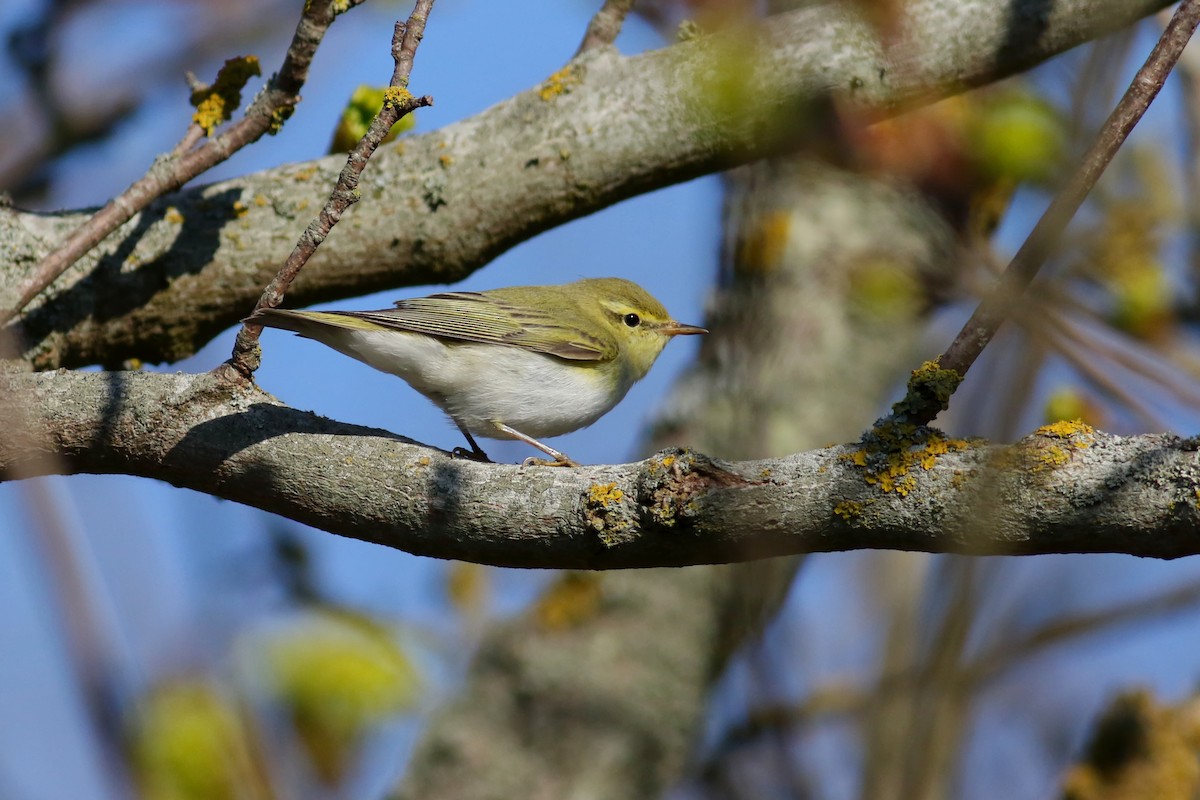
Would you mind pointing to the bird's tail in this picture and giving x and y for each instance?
(312, 324)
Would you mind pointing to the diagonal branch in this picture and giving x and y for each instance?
(991, 313)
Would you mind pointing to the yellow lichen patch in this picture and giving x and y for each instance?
(560, 82)
(668, 461)
(261, 200)
(445, 160)
(1050, 457)
(1065, 436)
(216, 103)
(173, 216)
(891, 451)
(928, 385)
(570, 601)
(396, 97)
(604, 494)
(278, 117)
(304, 174)
(239, 209)
(894, 479)
(603, 511)
(848, 509)
(1065, 429)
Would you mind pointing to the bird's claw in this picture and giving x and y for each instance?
(471, 455)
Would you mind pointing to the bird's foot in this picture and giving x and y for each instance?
(477, 456)
(561, 461)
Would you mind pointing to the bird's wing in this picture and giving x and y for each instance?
(482, 317)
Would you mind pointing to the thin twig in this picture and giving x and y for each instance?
(991, 313)
(171, 171)
(398, 102)
(1126, 351)
(605, 26)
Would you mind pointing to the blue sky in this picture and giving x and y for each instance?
(172, 575)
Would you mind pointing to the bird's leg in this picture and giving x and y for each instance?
(560, 459)
(475, 453)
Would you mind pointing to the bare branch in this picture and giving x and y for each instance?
(1049, 493)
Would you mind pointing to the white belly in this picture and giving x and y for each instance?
(478, 385)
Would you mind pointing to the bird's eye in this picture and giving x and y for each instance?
(632, 320)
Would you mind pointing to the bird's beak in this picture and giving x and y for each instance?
(674, 328)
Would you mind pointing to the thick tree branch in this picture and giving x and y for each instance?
(443, 204)
(1065, 490)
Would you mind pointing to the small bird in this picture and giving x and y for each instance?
(525, 362)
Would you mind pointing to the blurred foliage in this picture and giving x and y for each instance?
(188, 741)
(1067, 403)
(881, 291)
(1138, 750)
(570, 601)
(334, 675)
(1014, 135)
(467, 587)
(969, 153)
(338, 674)
(1124, 248)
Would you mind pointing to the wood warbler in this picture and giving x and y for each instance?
(523, 363)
